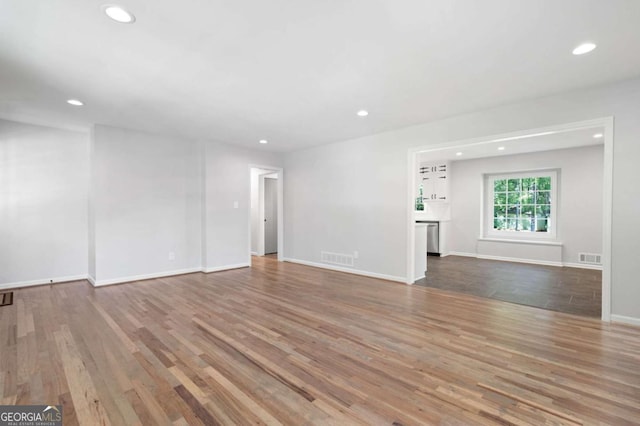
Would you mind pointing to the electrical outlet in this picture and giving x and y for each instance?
(172, 256)
(355, 254)
(235, 204)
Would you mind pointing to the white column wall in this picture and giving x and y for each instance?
(146, 192)
(43, 204)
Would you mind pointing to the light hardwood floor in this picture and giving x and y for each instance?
(288, 344)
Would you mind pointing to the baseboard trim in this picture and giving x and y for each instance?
(254, 253)
(347, 270)
(102, 283)
(625, 320)
(582, 266)
(460, 253)
(45, 281)
(419, 278)
(226, 267)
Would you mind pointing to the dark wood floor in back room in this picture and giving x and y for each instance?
(282, 343)
(570, 290)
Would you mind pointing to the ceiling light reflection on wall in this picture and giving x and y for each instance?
(598, 136)
(263, 141)
(119, 14)
(458, 154)
(75, 102)
(532, 135)
(501, 148)
(363, 113)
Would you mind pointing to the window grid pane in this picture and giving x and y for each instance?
(522, 204)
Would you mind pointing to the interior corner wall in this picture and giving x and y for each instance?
(579, 199)
(227, 182)
(91, 249)
(43, 204)
(352, 195)
(255, 208)
(203, 202)
(146, 193)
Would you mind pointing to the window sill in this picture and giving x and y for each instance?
(532, 242)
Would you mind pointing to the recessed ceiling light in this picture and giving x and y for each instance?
(501, 148)
(458, 154)
(363, 113)
(263, 141)
(75, 102)
(598, 135)
(118, 14)
(584, 48)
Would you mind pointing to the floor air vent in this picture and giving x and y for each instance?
(590, 258)
(336, 258)
(6, 299)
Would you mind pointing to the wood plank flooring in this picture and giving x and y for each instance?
(287, 344)
(570, 290)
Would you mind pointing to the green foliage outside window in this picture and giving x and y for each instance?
(522, 204)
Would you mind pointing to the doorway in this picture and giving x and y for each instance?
(266, 236)
(271, 214)
(488, 245)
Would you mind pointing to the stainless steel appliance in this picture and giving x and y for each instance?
(433, 237)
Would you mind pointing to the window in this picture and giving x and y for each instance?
(522, 205)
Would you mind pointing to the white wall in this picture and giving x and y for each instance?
(351, 195)
(348, 197)
(91, 249)
(228, 181)
(255, 208)
(579, 199)
(43, 203)
(112, 205)
(146, 192)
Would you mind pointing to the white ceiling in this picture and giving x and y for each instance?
(295, 72)
(520, 145)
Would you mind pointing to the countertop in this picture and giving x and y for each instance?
(424, 216)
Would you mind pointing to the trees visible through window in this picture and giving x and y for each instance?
(522, 203)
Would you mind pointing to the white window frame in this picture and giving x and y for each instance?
(488, 201)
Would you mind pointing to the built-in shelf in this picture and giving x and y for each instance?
(434, 178)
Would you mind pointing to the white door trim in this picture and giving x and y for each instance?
(607, 188)
(280, 213)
